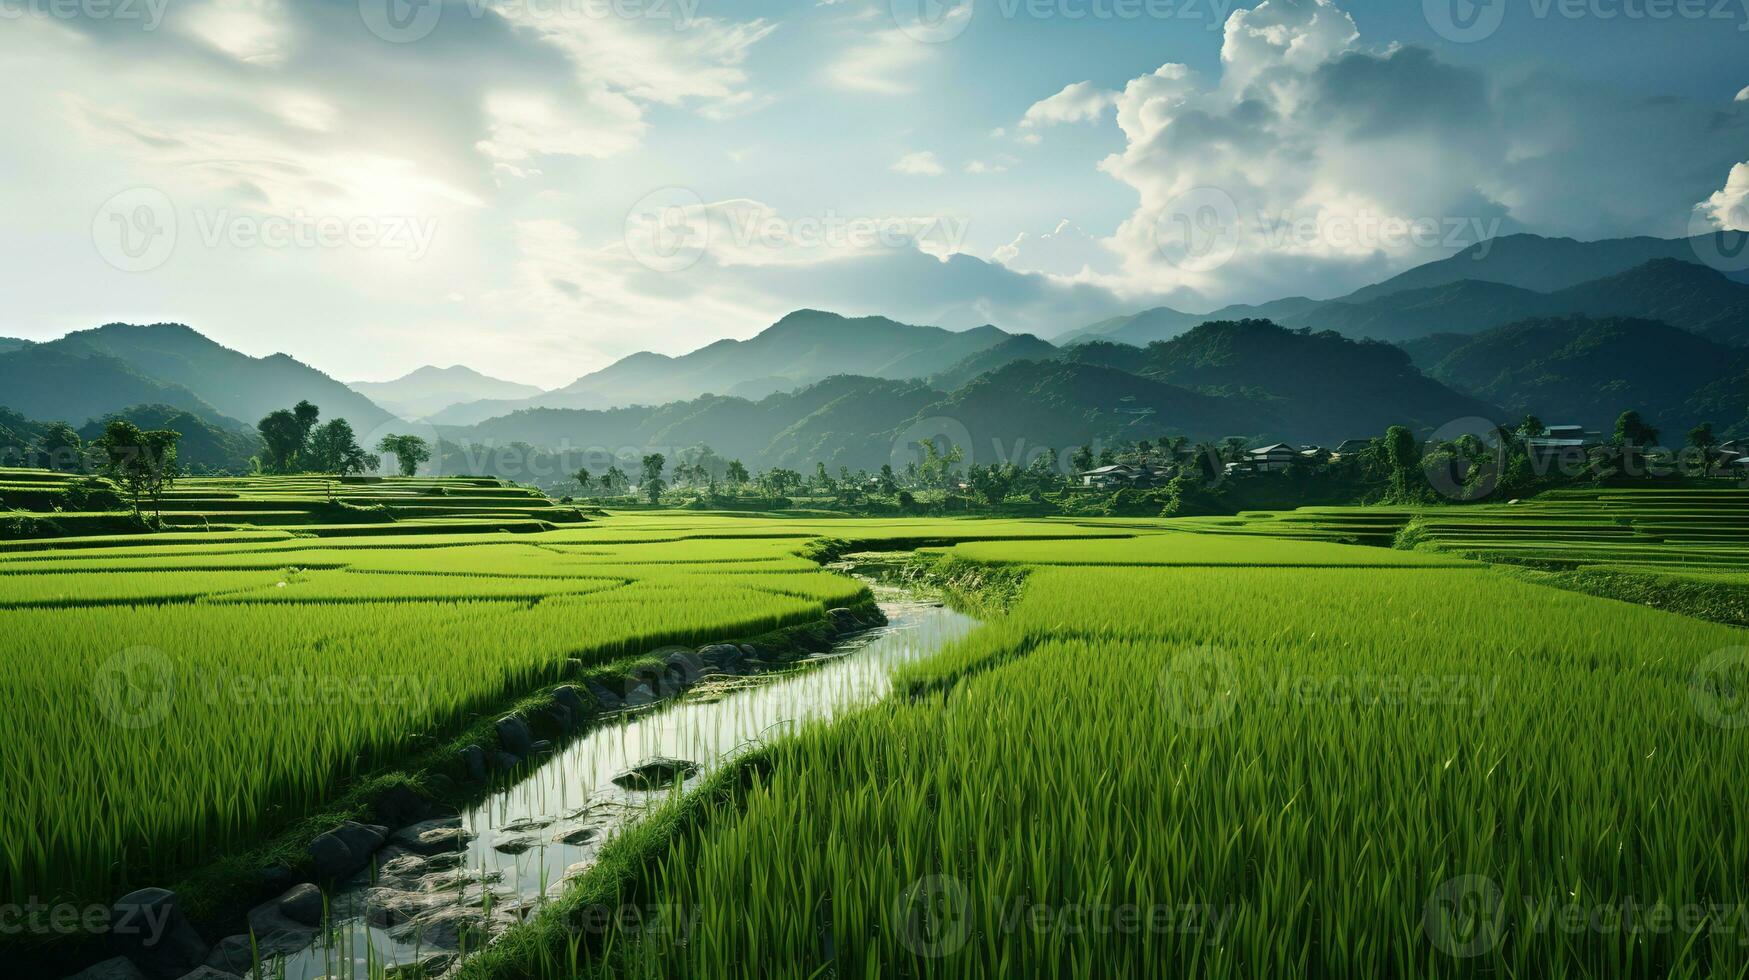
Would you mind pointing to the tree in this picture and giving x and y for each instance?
(142, 463)
(60, 448)
(1233, 449)
(1702, 440)
(737, 473)
(1531, 427)
(992, 482)
(306, 415)
(584, 479)
(651, 483)
(1082, 459)
(335, 449)
(409, 451)
(1631, 430)
(282, 436)
(1402, 455)
(889, 482)
(615, 480)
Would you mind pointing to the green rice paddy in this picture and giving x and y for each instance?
(1215, 747)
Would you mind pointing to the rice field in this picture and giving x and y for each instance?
(1213, 747)
(1150, 768)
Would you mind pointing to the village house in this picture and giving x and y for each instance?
(1123, 475)
(1272, 459)
(1561, 445)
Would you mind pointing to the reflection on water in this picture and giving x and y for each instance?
(529, 835)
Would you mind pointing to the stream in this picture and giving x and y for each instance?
(530, 837)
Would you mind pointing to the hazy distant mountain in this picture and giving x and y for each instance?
(1164, 323)
(12, 344)
(1533, 262)
(835, 421)
(1251, 379)
(803, 347)
(239, 386)
(432, 389)
(1586, 371)
(60, 383)
(1023, 347)
(203, 446)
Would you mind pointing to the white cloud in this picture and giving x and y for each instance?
(1066, 251)
(1743, 96)
(526, 124)
(1315, 164)
(652, 59)
(994, 166)
(920, 164)
(883, 63)
(1080, 102)
(248, 30)
(1728, 209)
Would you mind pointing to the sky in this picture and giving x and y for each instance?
(535, 188)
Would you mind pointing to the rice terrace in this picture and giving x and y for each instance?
(827, 489)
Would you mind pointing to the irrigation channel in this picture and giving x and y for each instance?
(529, 838)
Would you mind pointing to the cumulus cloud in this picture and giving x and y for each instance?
(920, 164)
(1317, 164)
(1066, 251)
(1743, 96)
(1728, 209)
(742, 264)
(1079, 102)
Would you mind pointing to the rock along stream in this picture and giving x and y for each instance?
(525, 840)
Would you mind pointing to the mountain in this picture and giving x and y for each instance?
(803, 347)
(55, 382)
(1326, 386)
(1543, 265)
(17, 434)
(431, 389)
(1682, 294)
(11, 344)
(1251, 379)
(1030, 404)
(237, 385)
(1164, 323)
(1465, 306)
(835, 421)
(1022, 347)
(1586, 371)
(204, 447)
